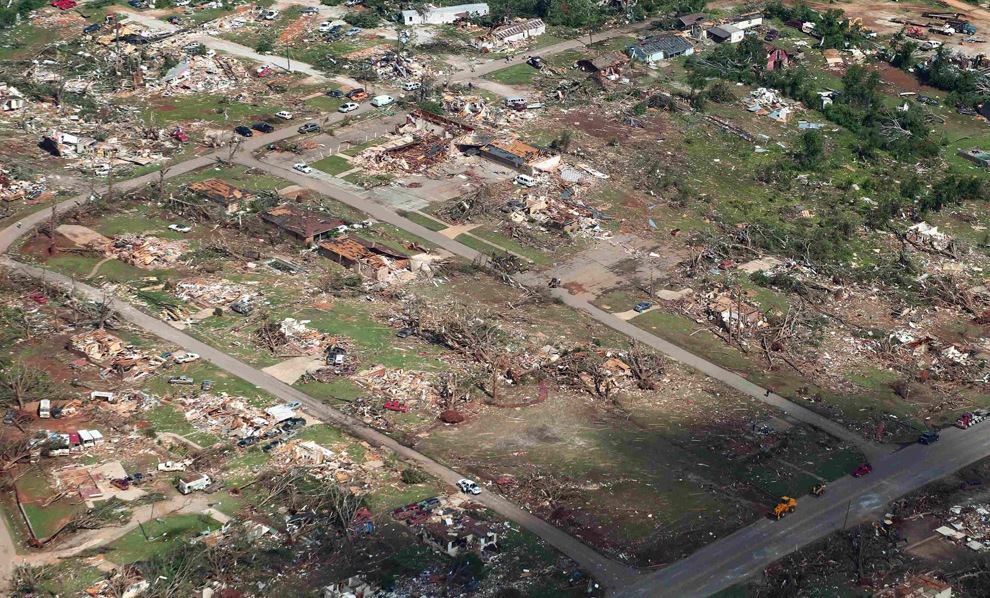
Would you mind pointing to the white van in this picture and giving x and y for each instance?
(511, 102)
(524, 180)
(411, 85)
(379, 101)
(44, 409)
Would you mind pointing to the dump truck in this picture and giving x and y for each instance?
(785, 506)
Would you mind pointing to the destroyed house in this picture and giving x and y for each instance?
(689, 21)
(508, 34)
(10, 98)
(511, 152)
(463, 537)
(97, 344)
(302, 224)
(219, 192)
(438, 125)
(920, 586)
(660, 47)
(605, 65)
(363, 256)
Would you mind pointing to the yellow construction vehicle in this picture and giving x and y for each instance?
(785, 506)
(819, 489)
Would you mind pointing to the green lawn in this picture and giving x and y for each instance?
(217, 109)
(166, 418)
(332, 165)
(158, 536)
(425, 221)
(517, 74)
(512, 245)
(325, 103)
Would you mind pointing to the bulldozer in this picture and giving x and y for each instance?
(818, 490)
(784, 506)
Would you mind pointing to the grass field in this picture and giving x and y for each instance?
(158, 536)
(425, 221)
(333, 165)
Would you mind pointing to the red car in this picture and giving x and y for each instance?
(180, 135)
(862, 470)
(418, 516)
(39, 298)
(264, 71)
(396, 406)
(121, 483)
(64, 4)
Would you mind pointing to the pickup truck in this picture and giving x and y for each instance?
(181, 380)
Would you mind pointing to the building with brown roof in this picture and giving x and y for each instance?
(605, 65)
(221, 193)
(920, 586)
(302, 224)
(364, 256)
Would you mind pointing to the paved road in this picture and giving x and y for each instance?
(748, 551)
(8, 553)
(607, 572)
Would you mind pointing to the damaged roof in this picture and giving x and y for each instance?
(670, 45)
(300, 221)
(218, 191)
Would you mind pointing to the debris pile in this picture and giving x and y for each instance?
(969, 526)
(145, 252)
(226, 416)
(211, 294)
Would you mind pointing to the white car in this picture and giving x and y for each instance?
(324, 27)
(379, 101)
(186, 357)
(302, 167)
(179, 228)
(271, 15)
(284, 115)
(411, 85)
(468, 486)
(348, 107)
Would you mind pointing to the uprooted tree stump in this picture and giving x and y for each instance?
(451, 416)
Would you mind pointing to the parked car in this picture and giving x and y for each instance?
(264, 71)
(310, 10)
(302, 167)
(243, 131)
(356, 92)
(173, 20)
(284, 115)
(206, 386)
(862, 470)
(179, 228)
(771, 35)
(64, 4)
(525, 180)
(396, 406)
(468, 486)
(92, 28)
(325, 27)
(642, 306)
(271, 14)
(928, 100)
(242, 307)
(263, 127)
(121, 483)
(181, 380)
(135, 3)
(348, 107)
(335, 93)
(293, 405)
(380, 101)
(928, 437)
(246, 442)
(186, 357)
(411, 85)
(293, 423)
(309, 128)
(352, 31)
(271, 445)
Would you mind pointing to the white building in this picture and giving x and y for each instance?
(443, 15)
(726, 34)
(510, 34)
(746, 21)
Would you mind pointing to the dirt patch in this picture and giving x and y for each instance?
(901, 81)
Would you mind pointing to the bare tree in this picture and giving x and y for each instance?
(20, 383)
